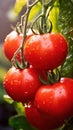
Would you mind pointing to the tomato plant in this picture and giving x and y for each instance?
(21, 85)
(46, 51)
(39, 80)
(56, 100)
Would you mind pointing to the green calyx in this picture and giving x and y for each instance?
(52, 77)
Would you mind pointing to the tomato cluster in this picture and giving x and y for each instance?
(48, 106)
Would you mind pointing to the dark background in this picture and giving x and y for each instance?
(6, 110)
(6, 21)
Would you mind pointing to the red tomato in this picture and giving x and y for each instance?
(38, 119)
(56, 100)
(46, 51)
(12, 42)
(21, 85)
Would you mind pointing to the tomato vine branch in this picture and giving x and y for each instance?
(43, 19)
(24, 22)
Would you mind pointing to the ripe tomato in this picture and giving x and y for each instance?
(38, 119)
(56, 100)
(46, 51)
(21, 85)
(12, 42)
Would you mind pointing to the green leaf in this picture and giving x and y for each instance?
(65, 25)
(54, 16)
(35, 11)
(19, 107)
(19, 5)
(8, 99)
(65, 20)
(19, 122)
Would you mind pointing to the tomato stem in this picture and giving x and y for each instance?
(24, 22)
(43, 19)
(29, 7)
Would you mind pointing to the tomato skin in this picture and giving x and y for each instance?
(46, 51)
(56, 100)
(12, 42)
(21, 85)
(38, 119)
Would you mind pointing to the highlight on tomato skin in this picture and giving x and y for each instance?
(40, 120)
(46, 51)
(56, 100)
(21, 85)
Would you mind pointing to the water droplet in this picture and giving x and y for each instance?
(26, 93)
(43, 102)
